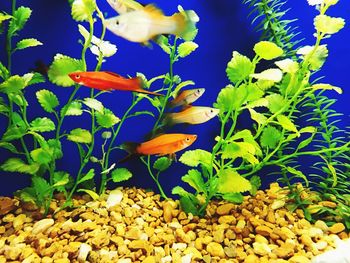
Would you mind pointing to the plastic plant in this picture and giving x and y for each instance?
(271, 98)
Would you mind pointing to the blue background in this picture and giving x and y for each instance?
(223, 27)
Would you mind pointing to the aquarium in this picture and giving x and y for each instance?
(174, 131)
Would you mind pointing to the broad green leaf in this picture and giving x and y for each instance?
(36, 78)
(178, 190)
(194, 158)
(14, 84)
(276, 102)
(317, 58)
(237, 149)
(28, 42)
(195, 180)
(231, 182)
(163, 42)
(94, 104)
(328, 25)
(227, 99)
(190, 204)
(47, 100)
(253, 92)
(264, 84)
(8, 146)
(267, 50)
(41, 156)
(323, 86)
(272, 74)
(306, 142)
(60, 179)
(107, 119)
(17, 165)
(18, 99)
(262, 102)
(288, 65)
(297, 173)
(4, 17)
(42, 125)
(82, 10)
(61, 67)
(80, 136)
(72, 109)
(270, 137)
(14, 133)
(258, 117)
(91, 193)
(286, 123)
(255, 181)
(162, 163)
(239, 68)
(186, 48)
(41, 186)
(56, 148)
(20, 18)
(236, 198)
(120, 175)
(90, 175)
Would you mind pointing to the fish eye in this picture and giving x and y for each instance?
(117, 22)
(77, 76)
(187, 139)
(211, 110)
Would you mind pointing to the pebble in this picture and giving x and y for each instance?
(114, 198)
(215, 250)
(225, 209)
(277, 204)
(84, 250)
(261, 248)
(337, 228)
(42, 225)
(263, 230)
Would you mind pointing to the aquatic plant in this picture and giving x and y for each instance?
(271, 98)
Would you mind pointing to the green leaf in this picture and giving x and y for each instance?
(90, 175)
(236, 198)
(120, 175)
(255, 181)
(60, 179)
(231, 182)
(162, 163)
(82, 10)
(306, 142)
(8, 146)
(297, 173)
(276, 102)
(288, 65)
(20, 18)
(195, 180)
(14, 84)
(28, 42)
(258, 117)
(72, 109)
(163, 42)
(286, 123)
(47, 100)
(56, 148)
(267, 50)
(17, 165)
(194, 158)
(41, 156)
(107, 119)
(80, 136)
(4, 17)
(36, 78)
(323, 86)
(253, 92)
(228, 99)
(42, 188)
(61, 67)
(14, 133)
(91, 193)
(239, 68)
(272, 74)
(270, 137)
(42, 125)
(186, 48)
(328, 25)
(4, 73)
(317, 58)
(190, 204)
(180, 86)
(94, 104)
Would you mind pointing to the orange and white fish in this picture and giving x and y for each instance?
(191, 115)
(186, 97)
(104, 80)
(165, 144)
(124, 6)
(149, 22)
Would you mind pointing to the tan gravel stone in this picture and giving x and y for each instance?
(215, 250)
(263, 230)
(299, 259)
(225, 209)
(42, 225)
(251, 259)
(337, 228)
(196, 255)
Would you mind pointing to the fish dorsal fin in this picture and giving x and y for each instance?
(153, 10)
(113, 74)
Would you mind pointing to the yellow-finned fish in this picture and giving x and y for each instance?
(149, 22)
(124, 6)
(165, 144)
(191, 115)
(186, 97)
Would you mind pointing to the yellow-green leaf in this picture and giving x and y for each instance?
(231, 182)
(258, 117)
(324, 86)
(91, 193)
(268, 50)
(186, 48)
(239, 68)
(80, 136)
(286, 123)
(328, 25)
(28, 42)
(288, 65)
(82, 10)
(272, 74)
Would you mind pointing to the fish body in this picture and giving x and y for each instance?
(124, 6)
(147, 23)
(186, 97)
(104, 80)
(165, 144)
(192, 115)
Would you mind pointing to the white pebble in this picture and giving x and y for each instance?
(187, 258)
(84, 251)
(42, 225)
(114, 198)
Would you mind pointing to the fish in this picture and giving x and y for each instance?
(186, 97)
(191, 115)
(165, 144)
(149, 22)
(105, 80)
(124, 6)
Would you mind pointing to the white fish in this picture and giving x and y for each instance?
(124, 6)
(147, 23)
(339, 255)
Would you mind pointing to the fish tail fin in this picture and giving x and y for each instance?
(186, 24)
(129, 147)
(142, 87)
(167, 120)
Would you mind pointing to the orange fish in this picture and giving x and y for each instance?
(105, 80)
(186, 97)
(165, 144)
